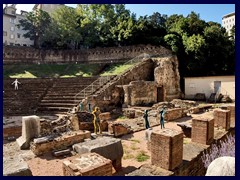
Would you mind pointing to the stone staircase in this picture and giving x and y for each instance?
(23, 101)
(102, 83)
(61, 97)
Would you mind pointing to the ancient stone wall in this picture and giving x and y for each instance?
(114, 90)
(13, 54)
(166, 75)
(140, 93)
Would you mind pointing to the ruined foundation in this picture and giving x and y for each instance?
(89, 164)
(46, 144)
(202, 130)
(110, 148)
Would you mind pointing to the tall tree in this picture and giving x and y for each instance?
(35, 24)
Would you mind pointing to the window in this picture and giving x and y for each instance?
(4, 33)
(12, 28)
(18, 35)
(12, 20)
(13, 12)
(12, 36)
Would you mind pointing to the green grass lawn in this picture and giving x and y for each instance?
(50, 70)
(62, 70)
(116, 69)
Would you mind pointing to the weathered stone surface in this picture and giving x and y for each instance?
(58, 143)
(140, 93)
(89, 164)
(30, 129)
(184, 103)
(166, 74)
(172, 114)
(15, 166)
(150, 170)
(222, 166)
(110, 148)
(166, 148)
(222, 118)
(202, 130)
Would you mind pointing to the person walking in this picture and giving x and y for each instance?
(16, 82)
(145, 116)
(96, 120)
(162, 112)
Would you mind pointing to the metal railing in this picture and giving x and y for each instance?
(103, 80)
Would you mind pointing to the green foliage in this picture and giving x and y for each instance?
(142, 156)
(50, 70)
(36, 24)
(116, 69)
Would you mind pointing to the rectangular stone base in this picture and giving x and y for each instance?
(62, 142)
(89, 164)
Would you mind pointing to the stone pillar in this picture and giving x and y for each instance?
(232, 110)
(167, 148)
(222, 118)
(202, 130)
(30, 130)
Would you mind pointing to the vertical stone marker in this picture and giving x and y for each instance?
(202, 130)
(30, 130)
(222, 118)
(167, 148)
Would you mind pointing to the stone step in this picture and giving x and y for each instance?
(57, 101)
(62, 93)
(56, 109)
(63, 104)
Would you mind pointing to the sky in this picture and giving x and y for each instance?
(207, 12)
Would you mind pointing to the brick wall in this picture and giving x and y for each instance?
(172, 114)
(202, 130)
(97, 55)
(167, 148)
(222, 118)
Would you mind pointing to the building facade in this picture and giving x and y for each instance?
(210, 84)
(49, 8)
(12, 34)
(228, 21)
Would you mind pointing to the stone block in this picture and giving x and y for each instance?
(172, 114)
(202, 130)
(105, 116)
(89, 164)
(167, 148)
(15, 166)
(44, 145)
(30, 130)
(110, 148)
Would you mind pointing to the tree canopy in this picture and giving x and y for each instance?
(203, 48)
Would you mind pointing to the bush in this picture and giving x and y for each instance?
(226, 148)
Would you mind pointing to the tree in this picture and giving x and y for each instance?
(35, 24)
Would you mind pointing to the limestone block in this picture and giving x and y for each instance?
(89, 164)
(15, 166)
(30, 130)
(110, 148)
